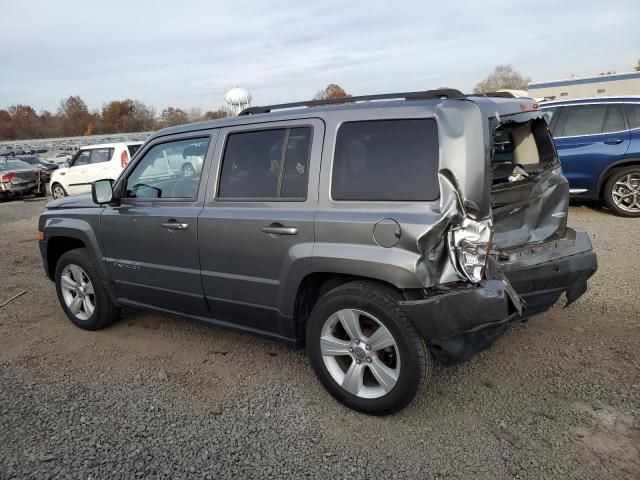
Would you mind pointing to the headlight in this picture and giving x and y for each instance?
(470, 244)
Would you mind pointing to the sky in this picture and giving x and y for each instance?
(190, 53)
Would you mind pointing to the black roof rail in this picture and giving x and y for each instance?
(496, 94)
(424, 95)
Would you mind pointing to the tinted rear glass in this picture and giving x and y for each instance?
(633, 114)
(584, 120)
(133, 149)
(615, 119)
(386, 160)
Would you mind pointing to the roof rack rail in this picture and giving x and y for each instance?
(424, 95)
(497, 94)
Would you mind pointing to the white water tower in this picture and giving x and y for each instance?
(237, 99)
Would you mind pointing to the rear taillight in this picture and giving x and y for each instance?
(7, 177)
(124, 158)
(470, 246)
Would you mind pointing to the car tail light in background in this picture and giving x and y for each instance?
(7, 177)
(470, 245)
(529, 106)
(124, 158)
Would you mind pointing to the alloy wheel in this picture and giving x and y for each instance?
(77, 292)
(626, 192)
(58, 192)
(360, 353)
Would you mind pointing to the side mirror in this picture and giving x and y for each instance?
(102, 191)
(66, 164)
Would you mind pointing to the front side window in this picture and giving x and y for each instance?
(82, 158)
(548, 114)
(386, 160)
(584, 120)
(100, 155)
(266, 164)
(165, 172)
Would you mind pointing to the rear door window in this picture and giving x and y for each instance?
(615, 119)
(386, 160)
(583, 120)
(268, 164)
(633, 114)
(100, 155)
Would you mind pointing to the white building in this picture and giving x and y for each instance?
(617, 84)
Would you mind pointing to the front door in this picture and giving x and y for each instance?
(76, 174)
(151, 238)
(256, 230)
(588, 138)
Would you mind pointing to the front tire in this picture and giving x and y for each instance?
(57, 191)
(82, 293)
(365, 350)
(622, 192)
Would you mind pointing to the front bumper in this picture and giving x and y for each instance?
(460, 320)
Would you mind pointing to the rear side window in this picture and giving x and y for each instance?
(266, 164)
(386, 160)
(100, 155)
(633, 114)
(584, 120)
(615, 119)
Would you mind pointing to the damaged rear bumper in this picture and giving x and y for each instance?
(461, 320)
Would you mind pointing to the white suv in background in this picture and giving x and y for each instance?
(91, 163)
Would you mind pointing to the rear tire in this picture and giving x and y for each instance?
(388, 377)
(622, 192)
(82, 293)
(57, 191)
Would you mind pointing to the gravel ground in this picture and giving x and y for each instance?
(153, 396)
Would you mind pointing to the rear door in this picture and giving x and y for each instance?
(151, 238)
(256, 230)
(588, 138)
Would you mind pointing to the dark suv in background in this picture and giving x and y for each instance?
(381, 235)
(598, 142)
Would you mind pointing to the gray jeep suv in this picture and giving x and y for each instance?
(383, 233)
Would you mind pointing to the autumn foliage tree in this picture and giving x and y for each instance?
(331, 91)
(503, 76)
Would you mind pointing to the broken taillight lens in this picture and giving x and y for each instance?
(470, 245)
(7, 177)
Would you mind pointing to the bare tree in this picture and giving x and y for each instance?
(503, 76)
(637, 67)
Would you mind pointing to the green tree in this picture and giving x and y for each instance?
(503, 76)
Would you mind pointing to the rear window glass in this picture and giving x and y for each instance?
(386, 160)
(615, 119)
(584, 120)
(133, 149)
(527, 144)
(633, 114)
